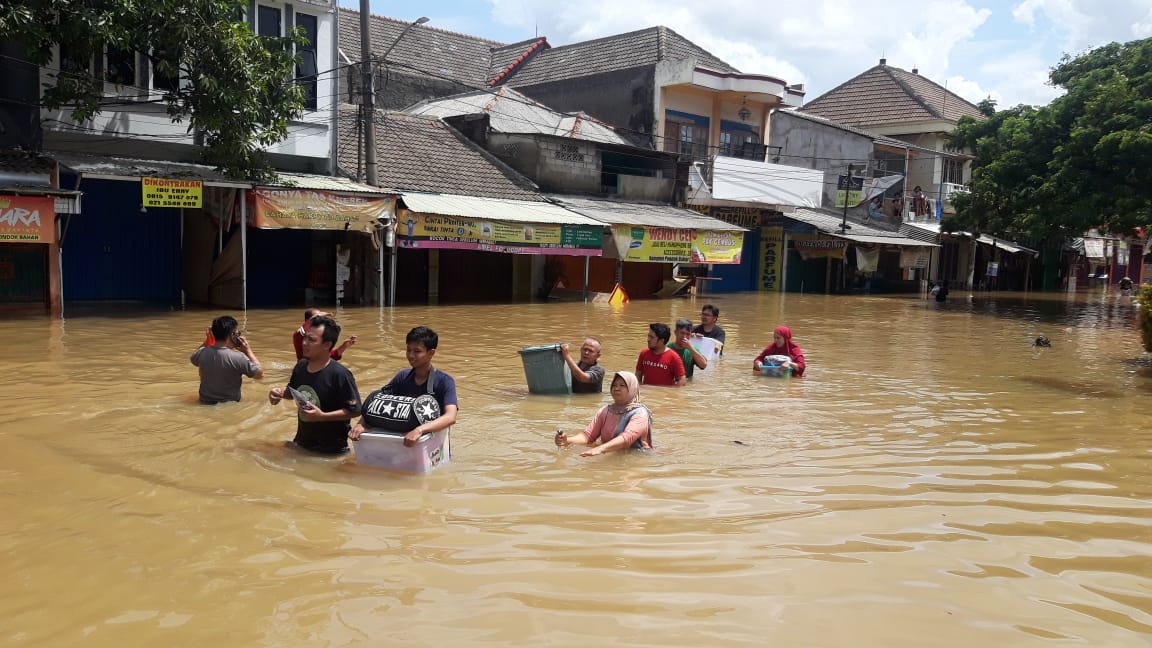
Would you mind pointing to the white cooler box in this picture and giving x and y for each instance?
(387, 450)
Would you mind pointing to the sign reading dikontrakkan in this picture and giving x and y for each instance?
(160, 192)
(450, 232)
(676, 245)
(27, 219)
(318, 210)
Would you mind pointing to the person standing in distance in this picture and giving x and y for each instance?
(224, 362)
(328, 388)
(658, 365)
(707, 326)
(587, 376)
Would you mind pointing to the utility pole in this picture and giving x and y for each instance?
(367, 99)
(847, 190)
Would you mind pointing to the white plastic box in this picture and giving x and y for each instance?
(387, 450)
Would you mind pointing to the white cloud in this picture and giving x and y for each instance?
(1084, 24)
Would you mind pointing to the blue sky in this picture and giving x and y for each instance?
(979, 48)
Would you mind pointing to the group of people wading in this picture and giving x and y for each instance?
(422, 399)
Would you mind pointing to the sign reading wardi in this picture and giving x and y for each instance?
(159, 192)
(450, 232)
(27, 219)
(672, 245)
(318, 210)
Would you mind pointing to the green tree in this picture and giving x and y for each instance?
(1083, 161)
(236, 87)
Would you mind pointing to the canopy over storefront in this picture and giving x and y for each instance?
(660, 233)
(826, 222)
(447, 221)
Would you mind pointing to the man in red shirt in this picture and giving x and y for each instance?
(658, 365)
(298, 336)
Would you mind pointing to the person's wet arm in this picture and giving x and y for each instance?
(637, 426)
(579, 374)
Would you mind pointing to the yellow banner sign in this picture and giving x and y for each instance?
(159, 192)
(417, 230)
(318, 210)
(675, 245)
(771, 257)
(27, 219)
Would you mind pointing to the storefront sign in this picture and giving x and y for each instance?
(771, 257)
(1094, 248)
(449, 232)
(673, 245)
(993, 269)
(850, 189)
(27, 219)
(746, 217)
(821, 248)
(318, 210)
(160, 192)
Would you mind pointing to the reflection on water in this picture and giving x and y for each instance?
(933, 480)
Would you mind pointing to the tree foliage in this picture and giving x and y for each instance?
(1083, 161)
(236, 87)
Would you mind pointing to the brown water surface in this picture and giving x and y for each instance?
(933, 481)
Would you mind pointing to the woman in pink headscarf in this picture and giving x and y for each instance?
(624, 423)
(782, 345)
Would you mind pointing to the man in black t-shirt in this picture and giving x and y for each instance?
(587, 376)
(708, 326)
(325, 391)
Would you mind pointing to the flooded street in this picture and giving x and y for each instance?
(932, 480)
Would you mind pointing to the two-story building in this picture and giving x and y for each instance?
(156, 226)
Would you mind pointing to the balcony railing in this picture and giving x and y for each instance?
(951, 188)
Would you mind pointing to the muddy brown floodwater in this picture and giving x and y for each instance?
(934, 480)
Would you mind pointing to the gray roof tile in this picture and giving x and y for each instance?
(886, 96)
(423, 154)
(619, 52)
(437, 52)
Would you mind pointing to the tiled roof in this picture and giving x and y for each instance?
(620, 52)
(437, 52)
(423, 154)
(506, 59)
(511, 112)
(885, 95)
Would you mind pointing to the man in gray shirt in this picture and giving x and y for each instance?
(224, 360)
(587, 376)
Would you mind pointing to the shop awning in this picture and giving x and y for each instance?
(109, 167)
(323, 183)
(454, 222)
(620, 212)
(660, 233)
(517, 211)
(828, 223)
(1007, 246)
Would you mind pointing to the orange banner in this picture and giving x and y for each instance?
(27, 219)
(319, 210)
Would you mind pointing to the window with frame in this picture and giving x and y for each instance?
(306, 70)
(269, 22)
(166, 69)
(726, 143)
(73, 63)
(954, 171)
(120, 67)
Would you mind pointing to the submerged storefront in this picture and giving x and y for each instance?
(456, 249)
(28, 261)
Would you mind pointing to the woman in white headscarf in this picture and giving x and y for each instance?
(624, 423)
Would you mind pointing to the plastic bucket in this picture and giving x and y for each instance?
(545, 370)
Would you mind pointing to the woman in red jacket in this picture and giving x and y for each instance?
(783, 345)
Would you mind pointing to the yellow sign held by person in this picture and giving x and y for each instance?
(160, 192)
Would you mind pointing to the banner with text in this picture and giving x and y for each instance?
(674, 245)
(161, 192)
(319, 210)
(821, 248)
(849, 189)
(430, 231)
(771, 258)
(27, 219)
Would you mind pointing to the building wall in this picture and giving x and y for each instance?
(623, 98)
(815, 146)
